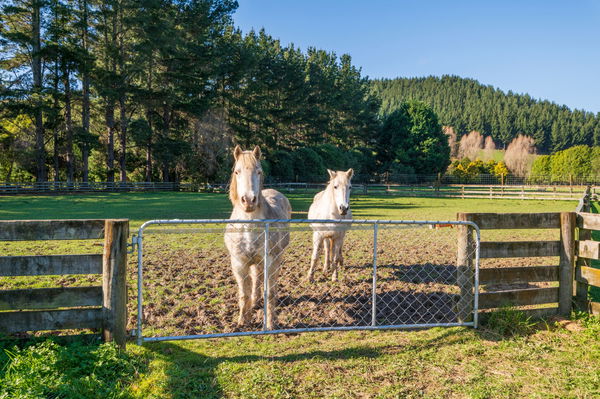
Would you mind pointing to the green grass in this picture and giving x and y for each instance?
(497, 155)
(510, 358)
(48, 369)
(139, 207)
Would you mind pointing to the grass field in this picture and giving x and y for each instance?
(496, 361)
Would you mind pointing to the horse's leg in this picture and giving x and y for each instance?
(328, 255)
(242, 277)
(256, 273)
(337, 250)
(341, 255)
(317, 243)
(273, 270)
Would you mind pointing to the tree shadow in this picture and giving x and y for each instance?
(190, 374)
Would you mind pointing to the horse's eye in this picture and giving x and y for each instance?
(335, 187)
(350, 188)
(259, 172)
(237, 172)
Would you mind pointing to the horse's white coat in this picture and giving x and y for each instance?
(246, 242)
(331, 203)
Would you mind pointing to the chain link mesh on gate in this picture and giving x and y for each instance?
(392, 274)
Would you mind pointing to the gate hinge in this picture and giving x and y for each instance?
(132, 246)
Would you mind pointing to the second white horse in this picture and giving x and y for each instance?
(331, 203)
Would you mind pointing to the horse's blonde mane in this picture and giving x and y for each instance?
(245, 159)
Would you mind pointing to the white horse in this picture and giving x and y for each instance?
(332, 203)
(245, 242)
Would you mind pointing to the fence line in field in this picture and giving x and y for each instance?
(59, 308)
(574, 250)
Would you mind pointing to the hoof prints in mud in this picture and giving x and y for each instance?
(192, 290)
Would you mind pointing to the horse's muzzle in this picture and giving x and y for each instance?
(343, 210)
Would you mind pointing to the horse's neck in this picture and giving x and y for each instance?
(329, 201)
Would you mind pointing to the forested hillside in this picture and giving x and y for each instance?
(467, 105)
(160, 89)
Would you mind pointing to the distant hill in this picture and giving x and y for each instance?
(466, 105)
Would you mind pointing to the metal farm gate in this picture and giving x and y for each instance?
(396, 274)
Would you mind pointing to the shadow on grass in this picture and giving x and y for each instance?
(190, 374)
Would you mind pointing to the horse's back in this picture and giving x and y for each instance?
(279, 206)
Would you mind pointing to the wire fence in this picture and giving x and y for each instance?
(215, 278)
(367, 183)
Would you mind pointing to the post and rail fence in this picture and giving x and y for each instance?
(550, 289)
(59, 308)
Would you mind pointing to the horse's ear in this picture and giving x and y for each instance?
(331, 173)
(236, 152)
(256, 152)
(350, 173)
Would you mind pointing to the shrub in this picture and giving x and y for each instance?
(308, 165)
(508, 321)
(281, 165)
(50, 370)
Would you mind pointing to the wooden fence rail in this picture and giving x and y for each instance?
(575, 252)
(58, 308)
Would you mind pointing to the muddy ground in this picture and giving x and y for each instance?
(189, 287)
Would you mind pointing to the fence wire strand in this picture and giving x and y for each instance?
(389, 275)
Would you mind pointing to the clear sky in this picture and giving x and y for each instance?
(549, 49)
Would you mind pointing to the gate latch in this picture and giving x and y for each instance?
(133, 245)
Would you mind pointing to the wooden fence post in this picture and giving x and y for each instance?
(114, 285)
(465, 270)
(567, 262)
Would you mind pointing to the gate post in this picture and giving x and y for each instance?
(465, 271)
(114, 285)
(567, 262)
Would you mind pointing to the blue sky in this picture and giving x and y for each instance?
(549, 49)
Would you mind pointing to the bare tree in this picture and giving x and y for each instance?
(452, 143)
(470, 145)
(488, 149)
(520, 154)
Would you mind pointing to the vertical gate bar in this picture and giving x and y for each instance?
(476, 288)
(139, 286)
(374, 293)
(266, 276)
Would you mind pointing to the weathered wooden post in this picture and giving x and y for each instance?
(567, 262)
(465, 270)
(114, 285)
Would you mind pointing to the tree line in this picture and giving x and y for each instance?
(467, 105)
(150, 90)
(161, 89)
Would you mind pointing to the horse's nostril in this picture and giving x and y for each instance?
(254, 199)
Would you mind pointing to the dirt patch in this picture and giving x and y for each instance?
(191, 290)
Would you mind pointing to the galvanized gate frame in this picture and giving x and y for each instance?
(137, 243)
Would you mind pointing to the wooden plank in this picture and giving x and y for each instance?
(589, 221)
(514, 220)
(50, 265)
(581, 289)
(589, 249)
(519, 249)
(568, 222)
(587, 275)
(40, 320)
(50, 298)
(63, 229)
(514, 275)
(535, 314)
(529, 296)
(114, 281)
